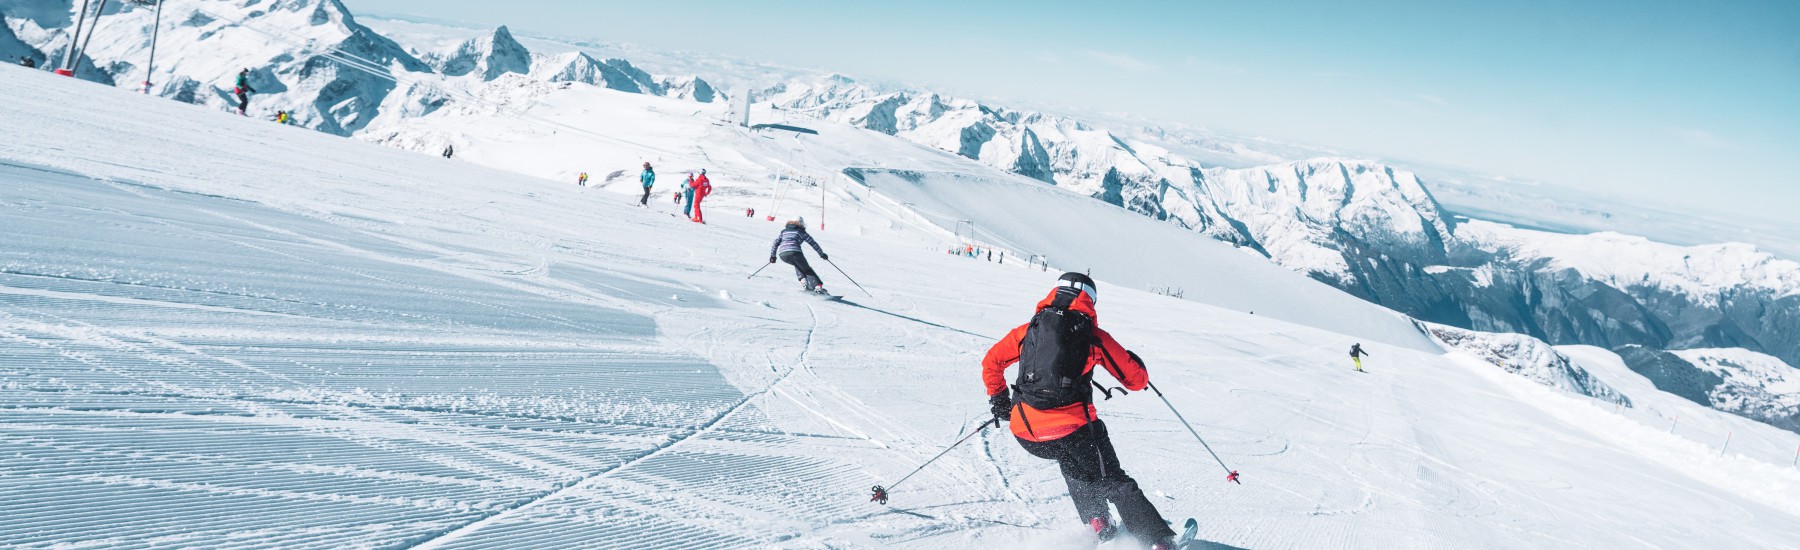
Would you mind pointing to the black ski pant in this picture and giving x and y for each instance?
(1092, 470)
(802, 269)
(646, 200)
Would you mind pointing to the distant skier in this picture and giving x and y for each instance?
(648, 178)
(787, 247)
(581, 180)
(702, 188)
(243, 90)
(687, 195)
(28, 62)
(1054, 417)
(284, 118)
(449, 151)
(1356, 355)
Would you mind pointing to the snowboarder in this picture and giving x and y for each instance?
(1054, 416)
(648, 178)
(687, 194)
(27, 62)
(787, 247)
(581, 180)
(243, 90)
(1356, 355)
(702, 188)
(449, 151)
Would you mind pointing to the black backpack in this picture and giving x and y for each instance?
(1053, 356)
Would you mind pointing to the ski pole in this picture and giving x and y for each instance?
(847, 277)
(1231, 475)
(759, 270)
(880, 494)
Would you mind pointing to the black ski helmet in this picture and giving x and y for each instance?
(1079, 281)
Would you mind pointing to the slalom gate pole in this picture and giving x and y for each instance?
(1231, 475)
(880, 494)
(847, 277)
(759, 270)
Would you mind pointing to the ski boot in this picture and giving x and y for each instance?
(1103, 529)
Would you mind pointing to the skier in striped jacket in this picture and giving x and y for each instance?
(787, 247)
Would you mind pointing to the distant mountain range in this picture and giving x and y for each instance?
(1370, 229)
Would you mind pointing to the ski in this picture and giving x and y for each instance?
(1189, 530)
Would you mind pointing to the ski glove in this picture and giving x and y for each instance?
(824, 256)
(1001, 405)
(771, 259)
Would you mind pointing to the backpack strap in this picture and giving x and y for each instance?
(1022, 416)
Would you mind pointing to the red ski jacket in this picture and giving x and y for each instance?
(1035, 425)
(702, 186)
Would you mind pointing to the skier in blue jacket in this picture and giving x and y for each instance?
(687, 195)
(649, 179)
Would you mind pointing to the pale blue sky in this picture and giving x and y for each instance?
(1678, 102)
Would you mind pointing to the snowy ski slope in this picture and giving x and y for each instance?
(217, 332)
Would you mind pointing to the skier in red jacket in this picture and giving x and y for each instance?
(702, 188)
(1057, 353)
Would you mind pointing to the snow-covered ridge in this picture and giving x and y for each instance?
(310, 58)
(1293, 212)
(1701, 273)
(1298, 212)
(1528, 357)
(485, 56)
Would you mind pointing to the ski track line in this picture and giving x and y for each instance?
(458, 533)
(248, 401)
(868, 414)
(371, 256)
